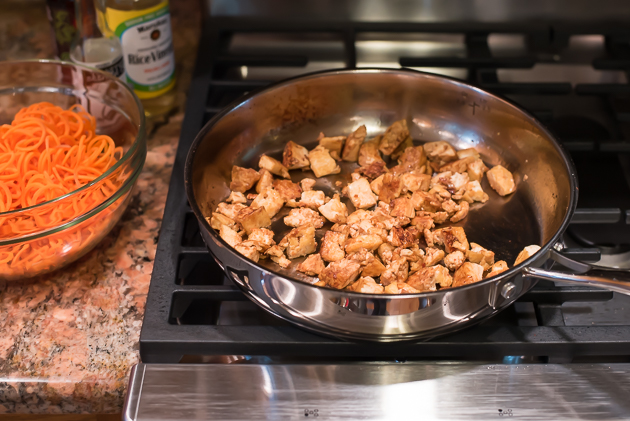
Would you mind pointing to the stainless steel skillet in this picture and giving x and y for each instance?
(437, 108)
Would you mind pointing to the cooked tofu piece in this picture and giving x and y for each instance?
(332, 246)
(458, 181)
(386, 252)
(474, 193)
(401, 207)
(335, 211)
(359, 215)
(412, 181)
(461, 213)
(333, 144)
(480, 255)
(368, 242)
(361, 256)
(501, 180)
(313, 265)
(265, 182)
(440, 152)
(299, 242)
(368, 152)
(428, 237)
(468, 273)
(340, 274)
(277, 255)
(307, 184)
(459, 166)
(374, 268)
(251, 196)
(432, 256)
(401, 237)
(476, 170)
(497, 268)
(353, 144)
(248, 249)
(236, 197)
(526, 253)
(360, 194)
(393, 136)
(273, 166)
(218, 219)
(465, 153)
(452, 238)
(374, 170)
(396, 271)
(442, 178)
(303, 216)
(263, 237)
(422, 222)
(295, 156)
(449, 206)
(313, 199)
(391, 188)
(400, 288)
(425, 201)
(230, 210)
(413, 158)
(229, 235)
(427, 279)
(439, 217)
(243, 179)
(454, 260)
(377, 184)
(366, 285)
(322, 163)
(252, 218)
(287, 189)
(269, 199)
(407, 143)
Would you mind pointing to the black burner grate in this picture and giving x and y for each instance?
(193, 310)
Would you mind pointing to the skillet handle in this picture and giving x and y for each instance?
(616, 280)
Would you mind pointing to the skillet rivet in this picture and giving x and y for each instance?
(507, 290)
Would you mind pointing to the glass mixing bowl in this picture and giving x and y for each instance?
(119, 114)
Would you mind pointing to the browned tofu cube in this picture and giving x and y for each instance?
(377, 184)
(391, 188)
(476, 169)
(501, 180)
(299, 242)
(433, 256)
(425, 201)
(401, 237)
(413, 158)
(287, 189)
(374, 170)
(335, 211)
(412, 181)
(295, 156)
(422, 222)
(307, 184)
(452, 238)
(440, 152)
(229, 235)
(361, 194)
(236, 197)
(322, 163)
(400, 288)
(526, 253)
(273, 166)
(465, 153)
(468, 273)
(459, 166)
(394, 136)
(474, 193)
(230, 210)
(218, 219)
(277, 255)
(461, 213)
(243, 179)
(368, 242)
(252, 218)
(402, 207)
(353, 144)
(368, 152)
(248, 249)
(480, 255)
(270, 200)
(374, 268)
(263, 237)
(427, 279)
(265, 182)
(407, 143)
(313, 265)
(340, 274)
(454, 260)
(332, 246)
(497, 268)
(333, 144)
(303, 216)
(366, 285)
(313, 199)
(396, 271)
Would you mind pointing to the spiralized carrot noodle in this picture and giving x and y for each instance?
(47, 152)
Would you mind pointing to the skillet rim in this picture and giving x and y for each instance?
(569, 166)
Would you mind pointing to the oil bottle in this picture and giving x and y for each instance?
(144, 30)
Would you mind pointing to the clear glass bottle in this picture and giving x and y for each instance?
(144, 30)
(91, 47)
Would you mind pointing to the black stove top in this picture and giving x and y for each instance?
(576, 84)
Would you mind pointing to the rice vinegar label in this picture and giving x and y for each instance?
(147, 44)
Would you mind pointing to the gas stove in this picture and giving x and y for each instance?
(559, 353)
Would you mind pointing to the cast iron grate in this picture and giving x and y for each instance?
(189, 300)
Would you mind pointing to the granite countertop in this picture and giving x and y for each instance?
(69, 339)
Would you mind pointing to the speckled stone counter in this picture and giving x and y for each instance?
(68, 340)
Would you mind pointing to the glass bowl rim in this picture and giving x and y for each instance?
(139, 139)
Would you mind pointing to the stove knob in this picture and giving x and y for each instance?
(508, 290)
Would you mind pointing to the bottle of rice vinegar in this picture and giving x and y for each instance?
(144, 30)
